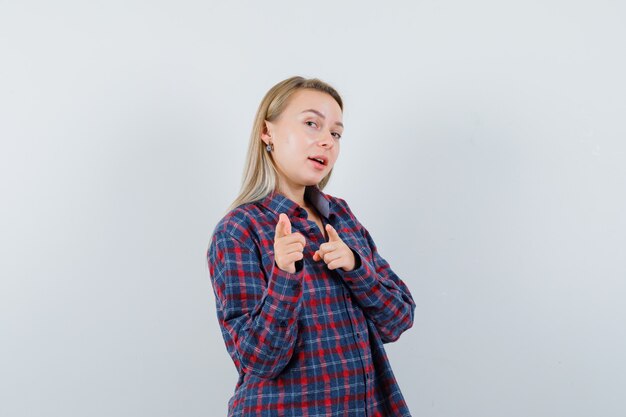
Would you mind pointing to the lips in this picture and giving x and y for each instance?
(319, 158)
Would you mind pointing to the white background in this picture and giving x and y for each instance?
(484, 150)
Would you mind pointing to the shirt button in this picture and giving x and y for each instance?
(283, 323)
(358, 335)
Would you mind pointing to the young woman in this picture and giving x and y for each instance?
(304, 300)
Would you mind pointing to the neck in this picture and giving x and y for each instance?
(294, 193)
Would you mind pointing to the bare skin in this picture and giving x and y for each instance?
(289, 248)
(310, 125)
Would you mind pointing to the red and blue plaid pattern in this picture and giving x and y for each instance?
(308, 343)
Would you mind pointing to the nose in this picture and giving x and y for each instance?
(327, 140)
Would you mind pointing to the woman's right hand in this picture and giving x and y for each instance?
(288, 247)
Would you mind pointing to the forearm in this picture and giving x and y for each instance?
(262, 340)
(387, 304)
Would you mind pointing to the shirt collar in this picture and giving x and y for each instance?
(278, 203)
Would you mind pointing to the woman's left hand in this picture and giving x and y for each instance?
(335, 253)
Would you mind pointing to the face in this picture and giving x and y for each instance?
(309, 126)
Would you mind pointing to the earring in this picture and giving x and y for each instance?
(269, 147)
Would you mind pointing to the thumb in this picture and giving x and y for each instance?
(332, 233)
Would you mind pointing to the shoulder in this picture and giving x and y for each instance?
(240, 224)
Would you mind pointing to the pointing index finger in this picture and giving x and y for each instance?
(283, 227)
(332, 233)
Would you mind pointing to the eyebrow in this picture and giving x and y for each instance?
(320, 115)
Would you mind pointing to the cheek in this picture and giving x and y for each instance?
(288, 159)
(294, 144)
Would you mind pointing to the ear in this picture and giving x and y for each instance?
(266, 134)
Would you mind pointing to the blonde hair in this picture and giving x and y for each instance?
(260, 173)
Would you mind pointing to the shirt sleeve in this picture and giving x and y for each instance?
(257, 313)
(384, 298)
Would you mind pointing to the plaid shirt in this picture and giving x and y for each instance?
(308, 343)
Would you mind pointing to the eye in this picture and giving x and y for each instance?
(338, 135)
(309, 121)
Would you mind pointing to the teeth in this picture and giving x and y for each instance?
(320, 161)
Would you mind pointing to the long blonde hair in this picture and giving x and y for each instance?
(260, 173)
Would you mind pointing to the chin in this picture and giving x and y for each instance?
(311, 181)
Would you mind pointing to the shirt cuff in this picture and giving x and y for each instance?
(284, 292)
(362, 277)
